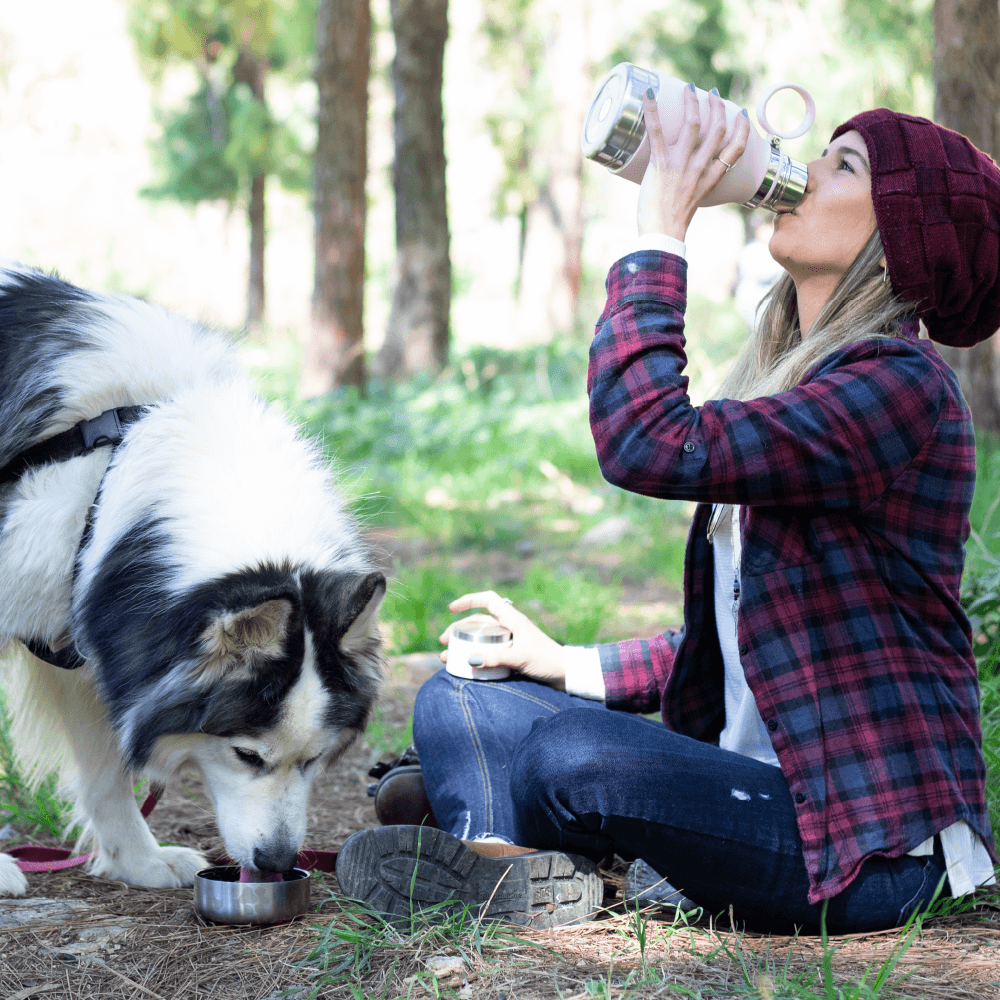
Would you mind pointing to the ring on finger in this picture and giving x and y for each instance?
(506, 600)
(728, 166)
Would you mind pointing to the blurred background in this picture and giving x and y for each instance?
(385, 202)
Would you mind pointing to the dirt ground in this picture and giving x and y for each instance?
(92, 938)
(76, 936)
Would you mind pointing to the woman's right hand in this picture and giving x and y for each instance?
(531, 652)
(681, 174)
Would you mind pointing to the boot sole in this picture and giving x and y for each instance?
(400, 871)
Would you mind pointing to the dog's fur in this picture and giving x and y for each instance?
(223, 599)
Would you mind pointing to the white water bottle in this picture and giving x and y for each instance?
(614, 134)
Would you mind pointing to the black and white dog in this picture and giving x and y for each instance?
(199, 590)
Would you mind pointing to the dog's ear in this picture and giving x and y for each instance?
(240, 640)
(359, 611)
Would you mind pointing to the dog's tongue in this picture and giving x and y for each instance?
(252, 875)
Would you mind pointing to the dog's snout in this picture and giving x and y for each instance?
(275, 856)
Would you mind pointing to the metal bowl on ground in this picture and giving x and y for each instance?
(221, 897)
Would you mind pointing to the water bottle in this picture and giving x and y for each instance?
(614, 134)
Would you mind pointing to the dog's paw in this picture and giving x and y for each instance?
(165, 868)
(12, 880)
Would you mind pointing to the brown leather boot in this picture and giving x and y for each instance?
(400, 871)
(400, 798)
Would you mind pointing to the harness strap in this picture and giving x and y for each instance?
(81, 439)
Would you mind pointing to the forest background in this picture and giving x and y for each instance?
(165, 148)
(449, 242)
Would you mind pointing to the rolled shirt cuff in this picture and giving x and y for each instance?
(584, 677)
(661, 242)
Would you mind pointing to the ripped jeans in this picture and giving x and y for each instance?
(545, 769)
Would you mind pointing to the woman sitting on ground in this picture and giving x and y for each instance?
(820, 748)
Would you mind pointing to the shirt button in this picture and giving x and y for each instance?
(800, 798)
(689, 446)
(744, 648)
(772, 725)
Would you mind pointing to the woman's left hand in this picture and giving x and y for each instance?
(681, 174)
(531, 653)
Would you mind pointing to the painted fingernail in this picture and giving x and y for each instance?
(691, 87)
(744, 113)
(650, 94)
(714, 90)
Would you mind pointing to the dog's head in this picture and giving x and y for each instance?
(258, 679)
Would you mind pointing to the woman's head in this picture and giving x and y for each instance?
(931, 252)
(822, 238)
(936, 199)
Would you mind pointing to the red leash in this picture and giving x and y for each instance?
(53, 859)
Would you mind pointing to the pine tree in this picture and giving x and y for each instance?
(225, 142)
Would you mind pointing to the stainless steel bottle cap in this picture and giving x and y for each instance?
(614, 129)
(784, 184)
(492, 632)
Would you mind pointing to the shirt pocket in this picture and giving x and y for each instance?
(776, 537)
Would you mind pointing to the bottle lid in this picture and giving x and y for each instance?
(492, 632)
(613, 129)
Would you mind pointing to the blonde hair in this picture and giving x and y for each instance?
(863, 306)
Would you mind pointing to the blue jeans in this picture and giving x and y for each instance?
(545, 769)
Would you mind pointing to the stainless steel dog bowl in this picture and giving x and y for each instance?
(221, 897)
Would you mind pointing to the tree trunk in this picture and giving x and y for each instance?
(552, 239)
(251, 69)
(417, 334)
(335, 354)
(255, 285)
(967, 99)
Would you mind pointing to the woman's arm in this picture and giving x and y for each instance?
(634, 672)
(838, 440)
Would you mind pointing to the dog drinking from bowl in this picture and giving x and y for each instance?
(177, 552)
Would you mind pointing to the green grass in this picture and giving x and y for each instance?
(27, 809)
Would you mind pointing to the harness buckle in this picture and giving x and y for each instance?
(103, 430)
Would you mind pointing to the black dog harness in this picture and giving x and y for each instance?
(81, 439)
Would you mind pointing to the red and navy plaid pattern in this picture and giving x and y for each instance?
(856, 487)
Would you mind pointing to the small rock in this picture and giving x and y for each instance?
(7, 832)
(525, 547)
(444, 965)
(185, 915)
(104, 934)
(610, 531)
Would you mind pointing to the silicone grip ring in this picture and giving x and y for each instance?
(803, 126)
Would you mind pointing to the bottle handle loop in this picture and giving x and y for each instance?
(803, 126)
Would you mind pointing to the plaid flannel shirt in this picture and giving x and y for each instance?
(855, 487)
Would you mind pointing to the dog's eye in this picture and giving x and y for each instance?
(249, 757)
(311, 761)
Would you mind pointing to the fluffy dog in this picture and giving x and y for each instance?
(202, 576)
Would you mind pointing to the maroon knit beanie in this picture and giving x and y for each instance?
(937, 204)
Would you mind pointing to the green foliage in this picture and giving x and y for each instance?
(31, 809)
(225, 134)
(516, 46)
(981, 582)
(695, 39)
(894, 37)
(385, 737)
(981, 600)
(193, 153)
